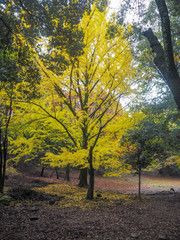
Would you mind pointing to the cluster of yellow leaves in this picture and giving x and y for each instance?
(75, 196)
(12, 171)
(173, 160)
(108, 152)
(76, 158)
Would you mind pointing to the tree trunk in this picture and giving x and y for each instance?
(3, 166)
(57, 174)
(1, 160)
(67, 177)
(139, 183)
(1, 184)
(90, 192)
(164, 57)
(83, 178)
(42, 172)
(169, 74)
(1, 172)
(4, 146)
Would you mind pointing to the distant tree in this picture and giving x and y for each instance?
(166, 109)
(8, 81)
(144, 143)
(15, 60)
(6, 112)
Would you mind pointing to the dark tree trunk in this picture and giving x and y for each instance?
(90, 192)
(3, 166)
(56, 171)
(139, 183)
(42, 172)
(57, 174)
(1, 172)
(67, 176)
(1, 159)
(164, 58)
(1, 182)
(4, 146)
(83, 178)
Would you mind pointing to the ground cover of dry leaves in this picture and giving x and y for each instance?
(50, 209)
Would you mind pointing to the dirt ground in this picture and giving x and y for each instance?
(58, 210)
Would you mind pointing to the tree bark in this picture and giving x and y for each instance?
(83, 178)
(57, 174)
(4, 146)
(4, 163)
(42, 172)
(67, 176)
(90, 192)
(139, 183)
(1, 153)
(164, 58)
(1, 163)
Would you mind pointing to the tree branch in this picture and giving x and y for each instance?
(164, 58)
(65, 128)
(166, 31)
(157, 49)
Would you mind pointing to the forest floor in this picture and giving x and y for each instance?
(53, 209)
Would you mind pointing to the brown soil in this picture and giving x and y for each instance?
(157, 216)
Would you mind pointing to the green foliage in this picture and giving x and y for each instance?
(155, 139)
(145, 142)
(8, 67)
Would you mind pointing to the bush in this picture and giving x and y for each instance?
(20, 193)
(170, 170)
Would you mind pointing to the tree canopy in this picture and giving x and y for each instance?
(68, 69)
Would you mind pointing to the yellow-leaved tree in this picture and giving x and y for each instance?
(109, 153)
(85, 98)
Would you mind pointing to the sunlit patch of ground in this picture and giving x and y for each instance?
(129, 184)
(154, 184)
(76, 197)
